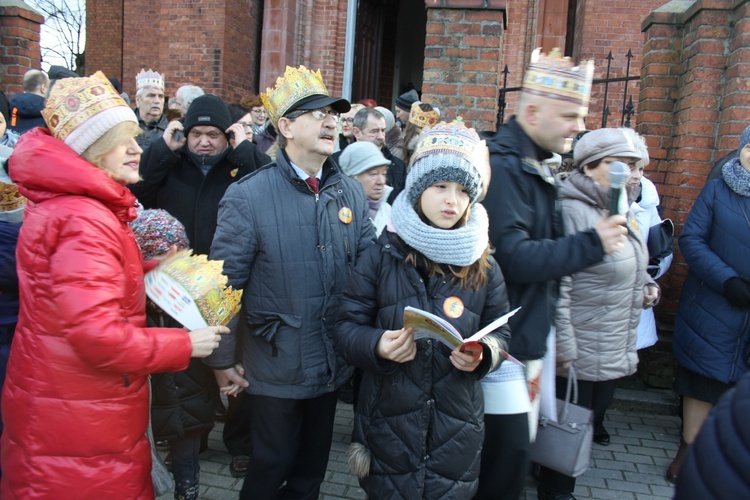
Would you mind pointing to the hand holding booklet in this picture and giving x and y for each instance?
(428, 325)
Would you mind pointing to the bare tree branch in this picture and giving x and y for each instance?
(64, 32)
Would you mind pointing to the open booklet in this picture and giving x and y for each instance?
(428, 325)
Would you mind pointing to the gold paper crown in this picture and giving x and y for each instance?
(556, 77)
(423, 119)
(456, 139)
(148, 78)
(72, 101)
(10, 198)
(204, 281)
(295, 85)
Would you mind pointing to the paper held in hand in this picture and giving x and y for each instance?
(428, 325)
(192, 289)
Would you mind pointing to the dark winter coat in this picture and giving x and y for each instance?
(151, 131)
(396, 173)
(26, 112)
(526, 230)
(712, 337)
(8, 292)
(76, 397)
(292, 252)
(422, 422)
(173, 181)
(717, 463)
(180, 401)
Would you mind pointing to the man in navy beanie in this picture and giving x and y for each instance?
(188, 171)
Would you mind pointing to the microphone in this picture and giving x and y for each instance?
(619, 173)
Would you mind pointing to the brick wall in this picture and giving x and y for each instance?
(462, 64)
(104, 38)
(209, 43)
(19, 45)
(694, 104)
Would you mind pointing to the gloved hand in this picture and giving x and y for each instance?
(737, 291)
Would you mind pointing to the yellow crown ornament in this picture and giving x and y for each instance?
(295, 85)
(556, 77)
(192, 289)
(423, 119)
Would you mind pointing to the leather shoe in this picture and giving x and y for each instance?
(238, 467)
(674, 467)
(602, 438)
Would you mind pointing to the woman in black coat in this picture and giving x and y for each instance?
(419, 426)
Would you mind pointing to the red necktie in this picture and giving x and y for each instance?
(313, 183)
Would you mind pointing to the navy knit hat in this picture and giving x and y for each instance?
(207, 109)
(744, 139)
(406, 99)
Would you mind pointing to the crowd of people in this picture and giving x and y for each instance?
(333, 218)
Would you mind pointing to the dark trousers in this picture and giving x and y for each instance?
(237, 425)
(596, 396)
(505, 457)
(290, 440)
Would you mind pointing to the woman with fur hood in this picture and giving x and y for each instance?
(419, 425)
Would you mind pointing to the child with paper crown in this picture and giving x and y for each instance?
(418, 427)
(76, 396)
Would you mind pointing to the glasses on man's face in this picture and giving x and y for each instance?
(347, 120)
(258, 111)
(318, 114)
(248, 126)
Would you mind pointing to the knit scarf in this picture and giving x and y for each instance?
(736, 177)
(375, 205)
(461, 246)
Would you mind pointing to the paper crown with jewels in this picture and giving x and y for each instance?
(296, 84)
(193, 290)
(457, 140)
(78, 111)
(12, 202)
(423, 119)
(148, 78)
(551, 75)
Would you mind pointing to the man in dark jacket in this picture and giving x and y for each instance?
(26, 108)
(527, 234)
(149, 102)
(188, 176)
(289, 235)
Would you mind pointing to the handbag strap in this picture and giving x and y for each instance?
(572, 384)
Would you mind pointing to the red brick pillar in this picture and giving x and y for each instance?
(462, 60)
(681, 100)
(19, 49)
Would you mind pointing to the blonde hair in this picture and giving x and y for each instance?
(118, 135)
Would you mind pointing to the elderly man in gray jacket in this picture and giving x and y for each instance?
(289, 235)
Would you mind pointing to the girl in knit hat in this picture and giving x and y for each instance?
(419, 426)
(76, 398)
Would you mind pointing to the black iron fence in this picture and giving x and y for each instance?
(626, 112)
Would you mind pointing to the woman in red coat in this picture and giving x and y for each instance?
(76, 398)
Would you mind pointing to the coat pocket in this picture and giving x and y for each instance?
(266, 324)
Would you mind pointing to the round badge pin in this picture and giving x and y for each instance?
(453, 307)
(345, 215)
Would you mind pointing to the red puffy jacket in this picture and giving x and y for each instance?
(76, 398)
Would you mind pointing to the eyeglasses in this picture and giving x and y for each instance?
(347, 120)
(258, 111)
(318, 114)
(247, 126)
